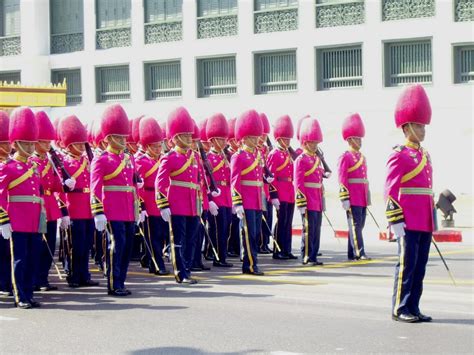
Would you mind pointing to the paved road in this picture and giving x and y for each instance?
(342, 307)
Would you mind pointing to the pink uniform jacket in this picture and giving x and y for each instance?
(51, 187)
(280, 165)
(353, 183)
(147, 169)
(176, 184)
(247, 179)
(309, 182)
(408, 189)
(20, 197)
(221, 173)
(113, 189)
(78, 201)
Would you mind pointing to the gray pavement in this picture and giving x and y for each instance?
(342, 307)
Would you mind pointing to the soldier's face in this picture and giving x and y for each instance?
(132, 147)
(414, 132)
(25, 149)
(284, 142)
(355, 143)
(42, 147)
(77, 148)
(261, 140)
(184, 140)
(218, 143)
(251, 142)
(312, 146)
(233, 143)
(5, 149)
(116, 142)
(154, 149)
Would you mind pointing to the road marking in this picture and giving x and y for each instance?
(3, 318)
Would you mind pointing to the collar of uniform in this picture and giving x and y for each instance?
(248, 149)
(282, 149)
(180, 150)
(73, 156)
(112, 150)
(413, 145)
(19, 158)
(307, 152)
(352, 150)
(38, 155)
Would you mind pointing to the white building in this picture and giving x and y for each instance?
(323, 57)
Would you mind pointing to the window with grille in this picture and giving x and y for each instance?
(163, 20)
(330, 13)
(113, 83)
(464, 64)
(408, 62)
(405, 9)
(73, 82)
(217, 18)
(10, 41)
(216, 7)
(275, 72)
(163, 80)
(217, 76)
(339, 67)
(10, 76)
(67, 25)
(113, 23)
(275, 15)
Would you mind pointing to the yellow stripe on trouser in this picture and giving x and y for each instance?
(111, 256)
(400, 276)
(354, 236)
(12, 260)
(173, 253)
(249, 251)
(306, 236)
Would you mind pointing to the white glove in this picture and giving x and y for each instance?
(70, 183)
(270, 179)
(239, 211)
(302, 210)
(346, 204)
(100, 222)
(64, 222)
(327, 174)
(213, 208)
(142, 216)
(166, 214)
(276, 203)
(6, 231)
(140, 184)
(398, 229)
(216, 193)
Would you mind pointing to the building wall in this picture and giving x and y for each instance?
(449, 138)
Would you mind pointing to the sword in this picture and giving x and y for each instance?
(272, 238)
(444, 261)
(140, 231)
(210, 240)
(52, 258)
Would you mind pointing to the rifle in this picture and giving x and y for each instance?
(89, 153)
(207, 168)
(58, 164)
(320, 155)
(293, 153)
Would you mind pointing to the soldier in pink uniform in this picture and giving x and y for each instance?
(247, 187)
(282, 192)
(20, 191)
(114, 199)
(51, 186)
(177, 188)
(354, 186)
(148, 162)
(217, 131)
(309, 190)
(410, 205)
(73, 136)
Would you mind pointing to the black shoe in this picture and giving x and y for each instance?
(73, 284)
(423, 318)
(6, 293)
(204, 267)
(317, 263)
(268, 250)
(364, 257)
(188, 281)
(196, 268)
(264, 251)
(89, 283)
(406, 318)
(279, 256)
(320, 254)
(291, 256)
(127, 291)
(231, 254)
(47, 288)
(23, 305)
(162, 272)
(256, 273)
(222, 264)
(209, 258)
(120, 293)
(34, 303)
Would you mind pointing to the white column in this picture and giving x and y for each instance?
(188, 62)
(89, 26)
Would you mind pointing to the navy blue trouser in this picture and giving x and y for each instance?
(183, 244)
(219, 229)
(45, 259)
(283, 227)
(233, 244)
(200, 239)
(25, 249)
(82, 233)
(251, 229)
(119, 249)
(266, 228)
(155, 234)
(311, 235)
(5, 266)
(413, 252)
(99, 246)
(355, 242)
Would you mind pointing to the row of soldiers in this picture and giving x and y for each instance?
(182, 185)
